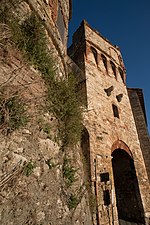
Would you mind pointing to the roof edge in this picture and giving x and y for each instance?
(85, 23)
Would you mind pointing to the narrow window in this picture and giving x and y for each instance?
(104, 61)
(104, 177)
(60, 24)
(95, 54)
(121, 74)
(115, 111)
(113, 68)
(106, 197)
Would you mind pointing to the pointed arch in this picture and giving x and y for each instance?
(121, 145)
(94, 51)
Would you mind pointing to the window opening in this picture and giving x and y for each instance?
(115, 111)
(95, 54)
(106, 197)
(104, 61)
(109, 90)
(113, 68)
(121, 74)
(119, 97)
(104, 177)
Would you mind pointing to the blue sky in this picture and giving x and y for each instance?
(125, 23)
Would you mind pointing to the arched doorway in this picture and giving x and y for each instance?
(128, 199)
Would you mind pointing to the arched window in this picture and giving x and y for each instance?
(121, 74)
(113, 68)
(104, 61)
(95, 54)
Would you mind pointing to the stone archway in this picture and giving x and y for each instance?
(128, 199)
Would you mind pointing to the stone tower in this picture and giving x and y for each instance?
(113, 150)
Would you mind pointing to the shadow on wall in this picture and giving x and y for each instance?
(85, 146)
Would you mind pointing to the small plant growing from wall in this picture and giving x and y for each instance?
(12, 112)
(45, 126)
(28, 169)
(73, 202)
(69, 172)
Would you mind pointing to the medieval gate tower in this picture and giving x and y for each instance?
(117, 169)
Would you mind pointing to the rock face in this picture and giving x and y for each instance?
(37, 194)
(40, 183)
(119, 166)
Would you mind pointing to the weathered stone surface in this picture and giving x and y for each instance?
(32, 186)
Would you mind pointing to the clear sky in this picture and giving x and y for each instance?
(125, 23)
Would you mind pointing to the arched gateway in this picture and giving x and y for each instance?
(128, 199)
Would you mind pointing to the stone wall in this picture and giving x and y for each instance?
(141, 125)
(33, 187)
(55, 15)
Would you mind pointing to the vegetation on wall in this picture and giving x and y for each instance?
(33, 43)
(30, 37)
(64, 104)
(7, 8)
(73, 202)
(69, 172)
(28, 169)
(62, 100)
(12, 112)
